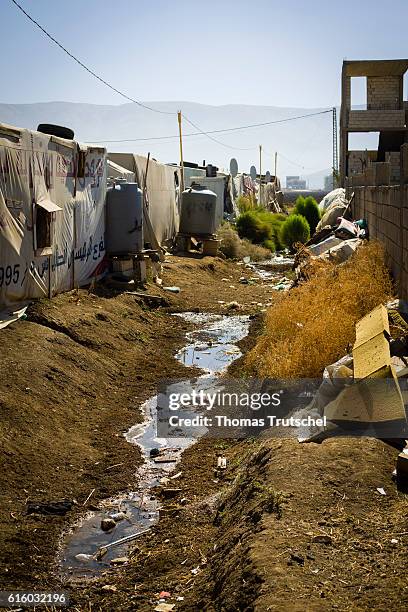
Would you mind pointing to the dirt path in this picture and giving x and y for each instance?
(72, 378)
(71, 384)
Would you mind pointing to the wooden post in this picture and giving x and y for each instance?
(181, 151)
(276, 165)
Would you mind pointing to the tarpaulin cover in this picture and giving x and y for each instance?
(38, 172)
(162, 190)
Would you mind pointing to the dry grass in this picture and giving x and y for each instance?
(313, 325)
(234, 248)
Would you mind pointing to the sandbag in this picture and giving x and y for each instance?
(329, 198)
(335, 210)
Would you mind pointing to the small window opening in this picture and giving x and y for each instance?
(43, 228)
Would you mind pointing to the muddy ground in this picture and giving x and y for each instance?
(72, 378)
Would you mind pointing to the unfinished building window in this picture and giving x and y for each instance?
(358, 93)
(44, 214)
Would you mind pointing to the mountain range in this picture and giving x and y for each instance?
(304, 145)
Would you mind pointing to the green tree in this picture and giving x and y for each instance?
(295, 229)
(312, 213)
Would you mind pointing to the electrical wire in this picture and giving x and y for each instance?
(142, 105)
(220, 131)
(78, 61)
(215, 139)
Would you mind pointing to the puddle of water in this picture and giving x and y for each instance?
(210, 348)
(273, 267)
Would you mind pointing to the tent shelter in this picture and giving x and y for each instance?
(52, 214)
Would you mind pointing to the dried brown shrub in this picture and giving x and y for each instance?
(313, 325)
(234, 247)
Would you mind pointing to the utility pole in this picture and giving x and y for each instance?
(276, 166)
(260, 175)
(335, 150)
(181, 151)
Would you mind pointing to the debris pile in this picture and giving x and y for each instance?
(362, 393)
(335, 240)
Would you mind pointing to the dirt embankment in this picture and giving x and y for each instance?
(288, 527)
(72, 378)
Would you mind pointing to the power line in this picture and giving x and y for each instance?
(215, 139)
(130, 99)
(221, 131)
(78, 61)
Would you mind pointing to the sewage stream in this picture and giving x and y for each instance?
(211, 348)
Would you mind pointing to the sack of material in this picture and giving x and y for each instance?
(335, 210)
(330, 197)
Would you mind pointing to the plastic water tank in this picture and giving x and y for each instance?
(124, 219)
(198, 211)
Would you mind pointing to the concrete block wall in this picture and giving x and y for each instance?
(393, 157)
(386, 210)
(383, 93)
(376, 119)
(358, 161)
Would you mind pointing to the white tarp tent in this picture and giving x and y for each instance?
(52, 214)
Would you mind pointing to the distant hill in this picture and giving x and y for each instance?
(304, 145)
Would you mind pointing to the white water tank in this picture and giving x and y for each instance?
(124, 219)
(198, 211)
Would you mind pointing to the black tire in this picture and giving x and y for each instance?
(56, 130)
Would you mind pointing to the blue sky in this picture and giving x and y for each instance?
(261, 52)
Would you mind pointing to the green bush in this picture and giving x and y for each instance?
(274, 221)
(245, 203)
(252, 227)
(312, 213)
(300, 206)
(261, 227)
(295, 229)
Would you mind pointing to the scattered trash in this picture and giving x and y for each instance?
(119, 561)
(346, 229)
(164, 607)
(221, 462)
(83, 557)
(343, 251)
(176, 476)
(60, 507)
(196, 570)
(155, 452)
(164, 594)
(394, 541)
(244, 281)
(118, 516)
(110, 588)
(128, 538)
(324, 245)
(381, 491)
(172, 289)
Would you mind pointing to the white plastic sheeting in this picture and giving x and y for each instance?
(38, 172)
